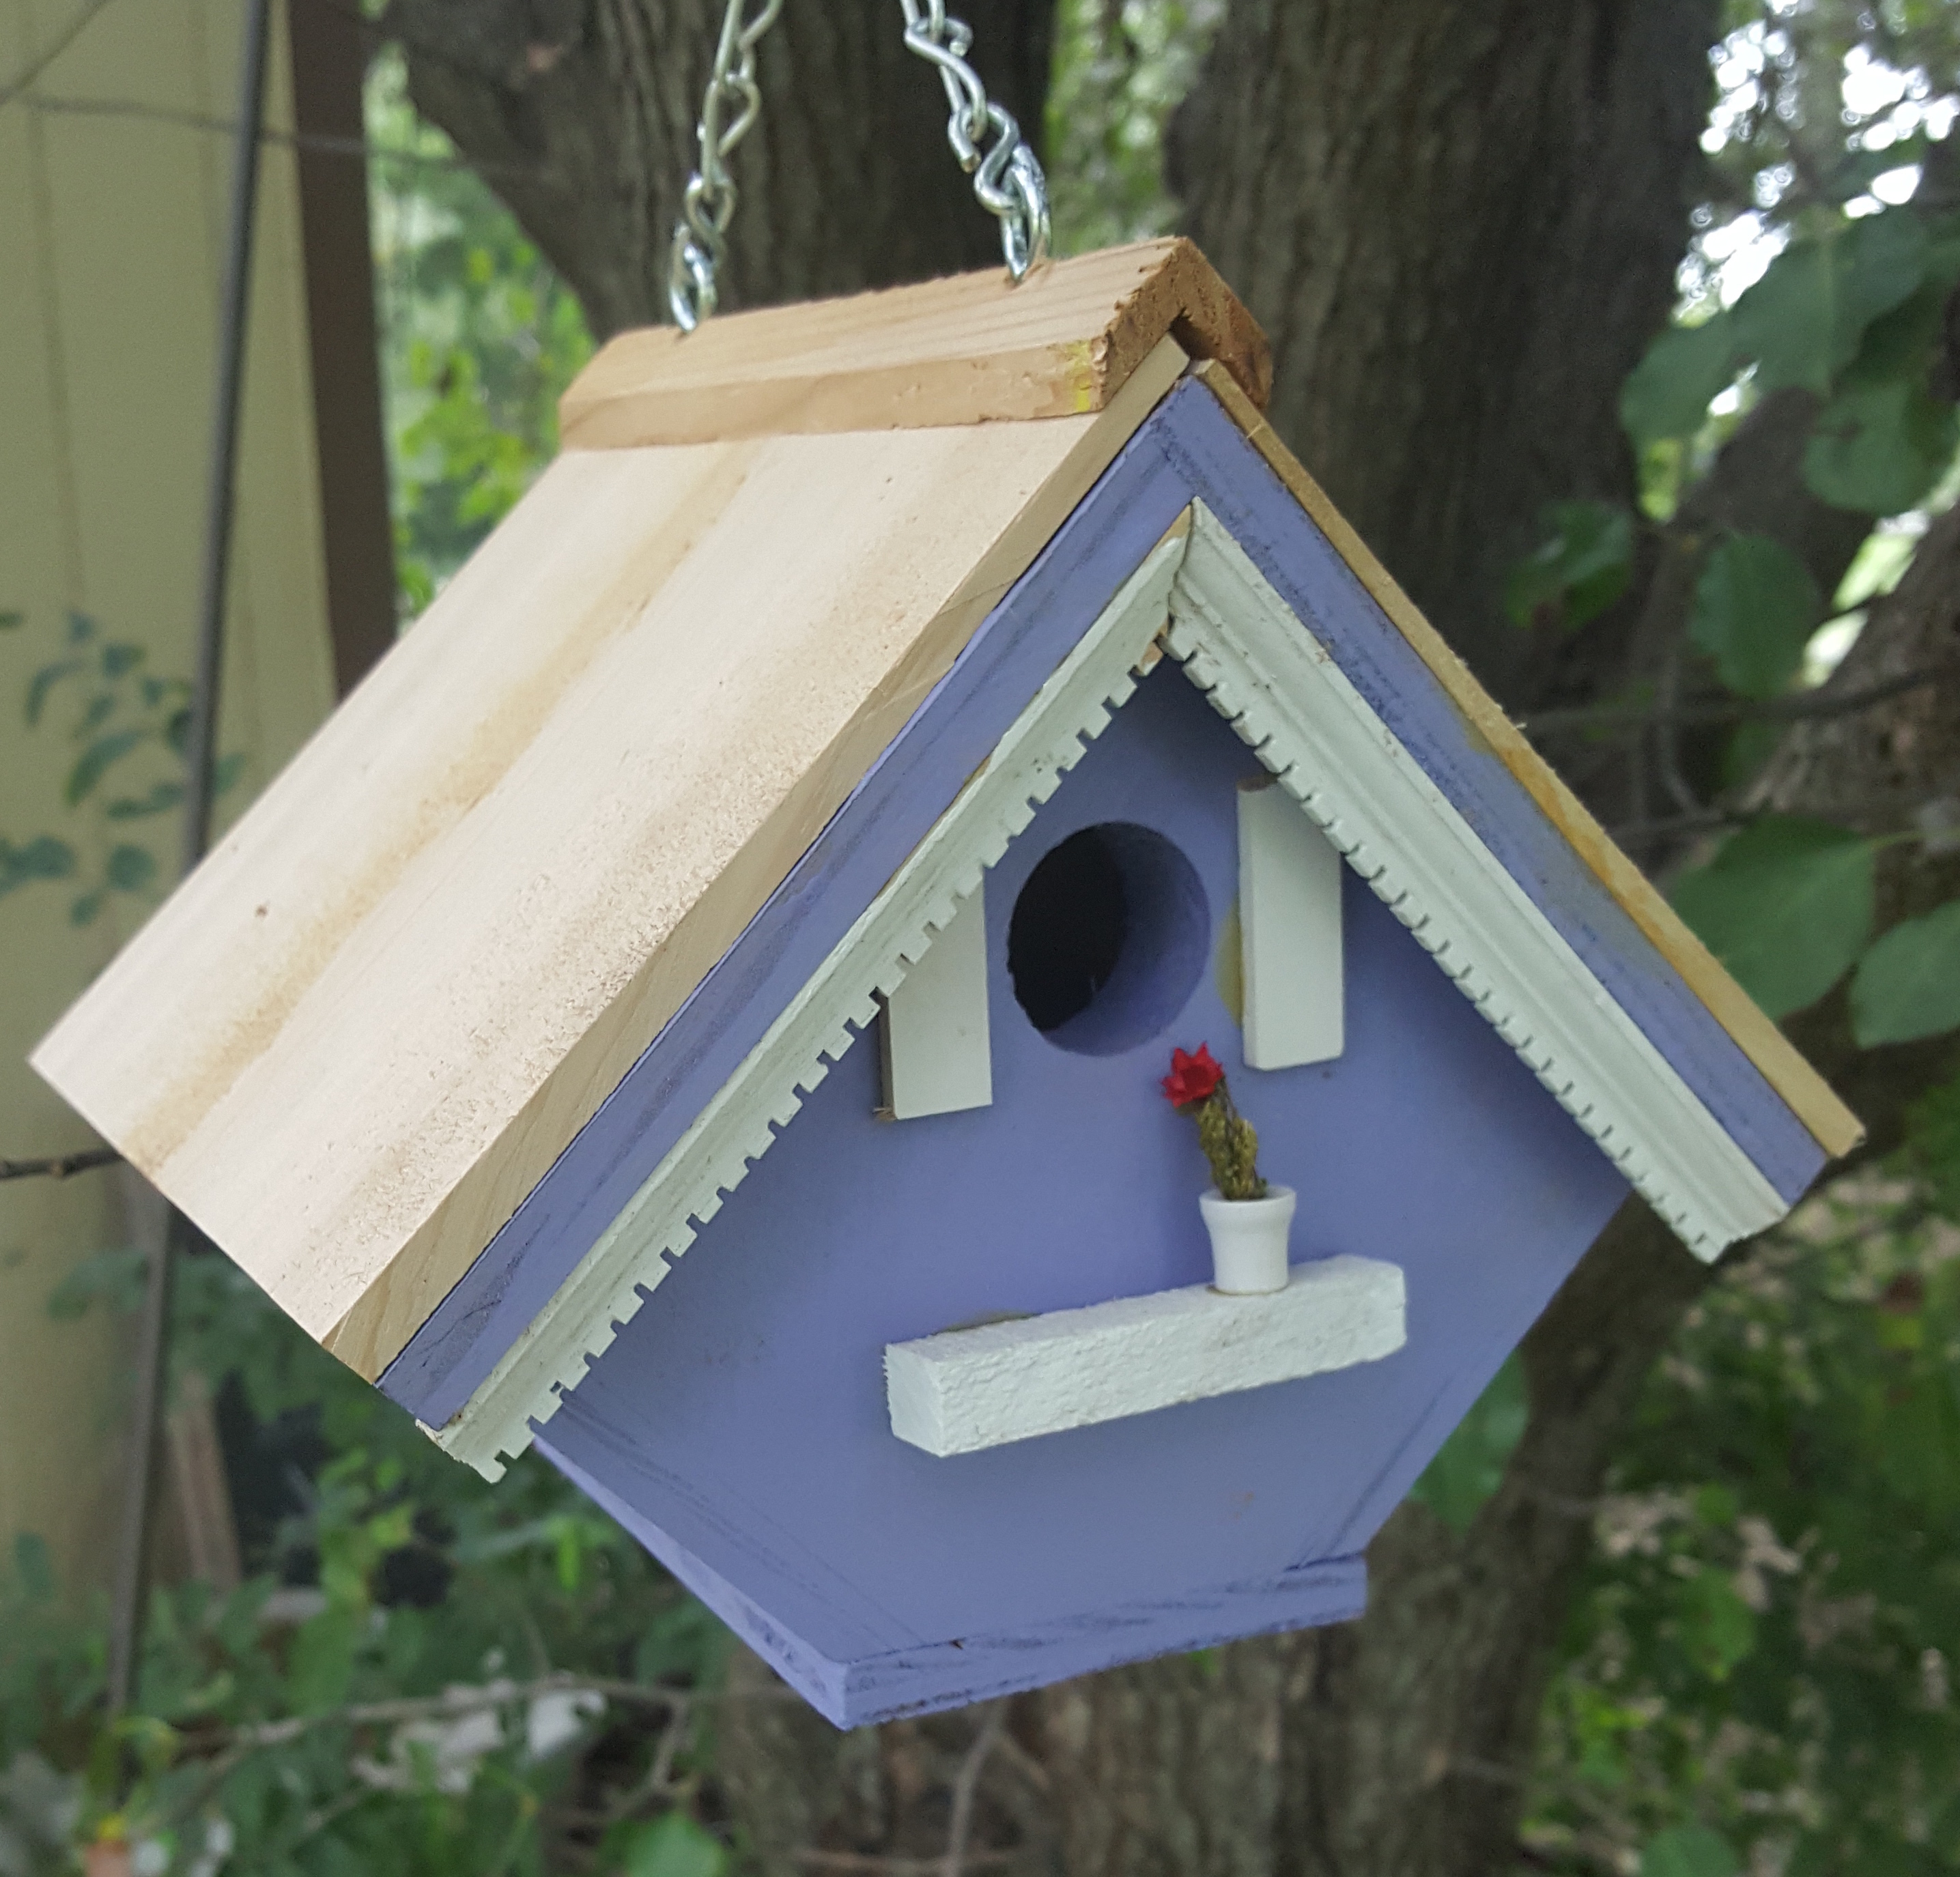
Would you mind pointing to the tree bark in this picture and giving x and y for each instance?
(1483, 208)
(581, 114)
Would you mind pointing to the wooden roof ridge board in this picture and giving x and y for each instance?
(1836, 1128)
(357, 1037)
(1191, 453)
(968, 348)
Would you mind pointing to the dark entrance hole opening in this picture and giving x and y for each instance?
(1108, 939)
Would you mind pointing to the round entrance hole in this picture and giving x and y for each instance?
(1107, 939)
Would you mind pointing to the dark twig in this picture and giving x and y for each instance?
(891, 1862)
(312, 142)
(60, 1166)
(61, 43)
(966, 1786)
(1807, 705)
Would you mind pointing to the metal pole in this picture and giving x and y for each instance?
(158, 1227)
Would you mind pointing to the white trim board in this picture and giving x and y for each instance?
(967, 1389)
(1240, 644)
(1267, 674)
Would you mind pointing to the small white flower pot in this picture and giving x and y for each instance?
(1248, 1240)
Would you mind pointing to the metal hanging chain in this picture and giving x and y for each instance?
(700, 237)
(1006, 174)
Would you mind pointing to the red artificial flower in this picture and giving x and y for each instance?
(1192, 1078)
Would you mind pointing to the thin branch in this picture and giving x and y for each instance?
(316, 141)
(966, 1786)
(1807, 705)
(60, 1166)
(40, 62)
(897, 1865)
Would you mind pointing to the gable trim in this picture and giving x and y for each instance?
(1267, 674)
(739, 1124)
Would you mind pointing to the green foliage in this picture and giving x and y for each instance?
(1687, 1850)
(1684, 371)
(1767, 1629)
(1907, 986)
(672, 1846)
(1755, 606)
(478, 338)
(1469, 1466)
(1578, 570)
(1786, 904)
(528, 1580)
(1121, 68)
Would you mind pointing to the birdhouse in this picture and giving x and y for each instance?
(701, 1007)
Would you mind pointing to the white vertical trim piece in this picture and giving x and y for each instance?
(1290, 931)
(1281, 691)
(934, 1052)
(891, 937)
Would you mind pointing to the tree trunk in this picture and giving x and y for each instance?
(1459, 221)
(581, 114)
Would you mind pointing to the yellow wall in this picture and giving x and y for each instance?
(111, 227)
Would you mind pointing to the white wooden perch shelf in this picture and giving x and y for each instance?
(966, 1389)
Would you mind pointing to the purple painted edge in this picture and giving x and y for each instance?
(951, 1673)
(1225, 472)
(1188, 447)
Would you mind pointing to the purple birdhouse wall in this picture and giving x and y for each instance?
(738, 1425)
(701, 1008)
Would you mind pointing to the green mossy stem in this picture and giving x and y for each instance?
(1231, 1145)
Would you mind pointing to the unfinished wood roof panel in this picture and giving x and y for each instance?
(359, 1038)
(973, 348)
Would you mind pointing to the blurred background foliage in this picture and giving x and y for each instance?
(422, 1673)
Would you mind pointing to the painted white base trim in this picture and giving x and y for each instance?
(966, 1389)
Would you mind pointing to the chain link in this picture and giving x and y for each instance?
(1006, 174)
(700, 237)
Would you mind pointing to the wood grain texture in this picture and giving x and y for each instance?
(357, 1037)
(972, 349)
(1836, 1129)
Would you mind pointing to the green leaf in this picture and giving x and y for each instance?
(1755, 606)
(97, 760)
(1689, 1850)
(12, 622)
(162, 795)
(44, 857)
(1908, 984)
(673, 1846)
(1933, 1142)
(1786, 906)
(44, 681)
(1803, 320)
(85, 908)
(1879, 447)
(320, 1668)
(1580, 568)
(1718, 1627)
(226, 771)
(131, 868)
(1668, 393)
(1469, 1466)
(80, 628)
(119, 658)
(116, 1277)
